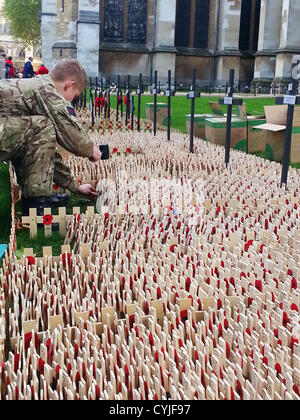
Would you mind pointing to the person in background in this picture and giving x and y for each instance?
(28, 69)
(10, 71)
(42, 70)
(2, 65)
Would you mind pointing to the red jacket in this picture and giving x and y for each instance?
(42, 70)
(11, 68)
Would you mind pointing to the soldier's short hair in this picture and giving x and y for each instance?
(69, 69)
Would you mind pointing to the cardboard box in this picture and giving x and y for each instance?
(161, 113)
(215, 132)
(199, 124)
(274, 130)
(199, 119)
(241, 111)
(216, 109)
(255, 137)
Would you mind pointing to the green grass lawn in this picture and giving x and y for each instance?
(181, 106)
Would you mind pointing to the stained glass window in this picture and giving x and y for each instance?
(201, 23)
(183, 15)
(113, 20)
(137, 21)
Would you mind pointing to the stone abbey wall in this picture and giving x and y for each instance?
(259, 38)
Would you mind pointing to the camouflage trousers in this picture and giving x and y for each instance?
(30, 144)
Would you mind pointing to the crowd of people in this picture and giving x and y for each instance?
(27, 72)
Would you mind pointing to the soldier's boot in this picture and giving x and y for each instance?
(40, 203)
(58, 200)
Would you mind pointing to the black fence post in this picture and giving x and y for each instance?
(108, 99)
(84, 99)
(100, 95)
(92, 107)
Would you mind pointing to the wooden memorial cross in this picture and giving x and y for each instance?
(119, 93)
(100, 95)
(154, 92)
(96, 94)
(108, 99)
(229, 101)
(48, 219)
(96, 86)
(31, 220)
(168, 95)
(139, 92)
(92, 107)
(128, 91)
(290, 100)
(132, 112)
(192, 95)
(105, 111)
(84, 99)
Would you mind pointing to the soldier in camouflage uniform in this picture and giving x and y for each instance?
(35, 116)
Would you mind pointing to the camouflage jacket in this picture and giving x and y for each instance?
(39, 96)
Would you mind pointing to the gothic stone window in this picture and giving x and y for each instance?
(249, 28)
(183, 18)
(137, 21)
(201, 23)
(125, 21)
(113, 20)
(192, 23)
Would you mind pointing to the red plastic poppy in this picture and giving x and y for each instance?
(41, 365)
(294, 283)
(294, 307)
(128, 150)
(66, 258)
(183, 315)
(31, 260)
(115, 150)
(47, 219)
(278, 368)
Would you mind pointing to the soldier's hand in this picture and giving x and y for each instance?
(96, 154)
(88, 191)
